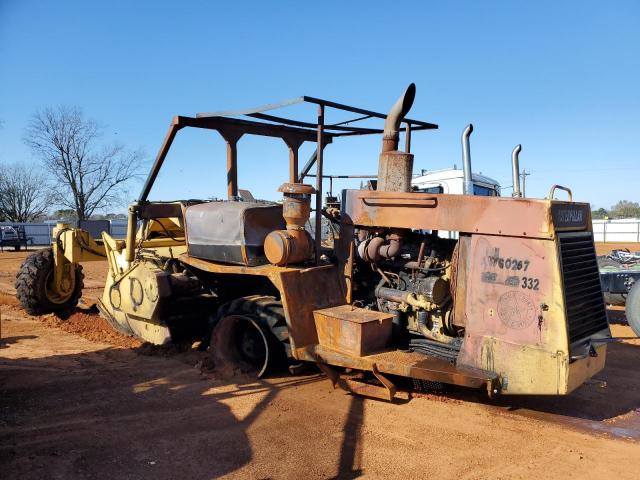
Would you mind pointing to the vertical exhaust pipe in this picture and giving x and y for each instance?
(515, 170)
(395, 167)
(391, 135)
(466, 161)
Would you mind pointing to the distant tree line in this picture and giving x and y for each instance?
(622, 209)
(78, 173)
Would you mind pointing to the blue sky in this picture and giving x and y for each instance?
(561, 78)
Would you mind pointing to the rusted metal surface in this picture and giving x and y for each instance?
(232, 129)
(462, 213)
(231, 137)
(417, 124)
(512, 304)
(459, 278)
(302, 291)
(296, 205)
(391, 134)
(155, 169)
(271, 271)
(294, 133)
(319, 166)
(553, 189)
(407, 138)
(388, 384)
(288, 247)
(395, 167)
(385, 392)
(395, 171)
(351, 330)
(405, 364)
(293, 245)
(293, 143)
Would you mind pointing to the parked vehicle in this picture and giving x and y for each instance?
(620, 278)
(13, 237)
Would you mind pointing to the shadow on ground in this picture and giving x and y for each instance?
(7, 341)
(99, 415)
(609, 402)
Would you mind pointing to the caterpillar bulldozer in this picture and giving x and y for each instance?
(512, 305)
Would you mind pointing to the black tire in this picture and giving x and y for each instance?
(632, 309)
(262, 315)
(611, 298)
(618, 299)
(607, 262)
(31, 286)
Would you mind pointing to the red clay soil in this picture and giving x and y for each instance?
(92, 327)
(85, 321)
(76, 401)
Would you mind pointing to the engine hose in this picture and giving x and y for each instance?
(436, 345)
(430, 347)
(437, 336)
(454, 346)
(58, 238)
(451, 358)
(79, 239)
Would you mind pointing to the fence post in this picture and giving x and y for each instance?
(604, 232)
(638, 225)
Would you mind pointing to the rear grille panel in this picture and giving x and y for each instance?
(586, 314)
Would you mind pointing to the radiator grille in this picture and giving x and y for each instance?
(586, 312)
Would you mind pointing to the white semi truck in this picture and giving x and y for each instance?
(451, 180)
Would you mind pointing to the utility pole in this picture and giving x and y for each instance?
(524, 176)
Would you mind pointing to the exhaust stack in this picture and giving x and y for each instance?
(515, 169)
(395, 167)
(466, 160)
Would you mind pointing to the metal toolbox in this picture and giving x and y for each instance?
(351, 330)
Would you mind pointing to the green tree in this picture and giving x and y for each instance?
(599, 214)
(65, 214)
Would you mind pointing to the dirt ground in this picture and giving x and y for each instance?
(80, 401)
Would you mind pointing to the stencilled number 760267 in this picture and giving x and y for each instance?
(509, 263)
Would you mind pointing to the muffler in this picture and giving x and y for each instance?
(395, 168)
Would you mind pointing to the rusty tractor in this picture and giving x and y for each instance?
(512, 305)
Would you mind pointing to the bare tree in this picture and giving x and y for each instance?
(625, 209)
(87, 175)
(24, 193)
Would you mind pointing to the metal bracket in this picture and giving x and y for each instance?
(553, 189)
(387, 392)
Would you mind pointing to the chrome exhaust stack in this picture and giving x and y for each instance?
(515, 170)
(395, 168)
(466, 161)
